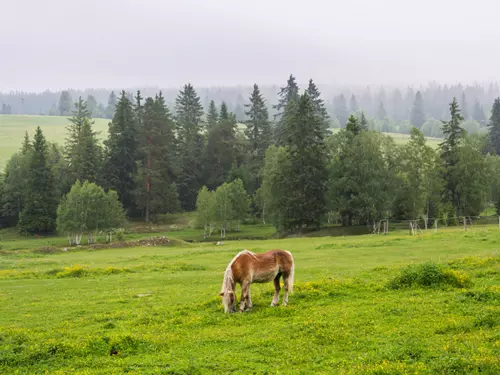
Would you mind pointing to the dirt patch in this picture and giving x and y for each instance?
(151, 241)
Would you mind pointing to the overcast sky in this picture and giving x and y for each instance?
(56, 44)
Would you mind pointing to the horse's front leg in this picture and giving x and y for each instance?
(245, 288)
(249, 301)
(276, 290)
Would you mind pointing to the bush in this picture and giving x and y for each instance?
(429, 275)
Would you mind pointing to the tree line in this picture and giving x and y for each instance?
(388, 109)
(286, 168)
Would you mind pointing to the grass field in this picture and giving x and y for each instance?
(156, 310)
(12, 128)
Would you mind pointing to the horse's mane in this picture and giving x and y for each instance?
(228, 274)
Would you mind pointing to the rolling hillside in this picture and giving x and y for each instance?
(12, 128)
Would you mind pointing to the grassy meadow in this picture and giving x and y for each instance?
(12, 128)
(156, 309)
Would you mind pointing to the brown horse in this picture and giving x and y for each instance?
(247, 267)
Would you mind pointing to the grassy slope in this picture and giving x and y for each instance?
(12, 128)
(341, 319)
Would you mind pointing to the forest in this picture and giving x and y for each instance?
(279, 161)
(387, 108)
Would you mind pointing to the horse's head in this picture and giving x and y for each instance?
(228, 301)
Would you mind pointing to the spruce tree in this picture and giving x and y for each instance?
(189, 112)
(110, 110)
(138, 109)
(319, 104)
(212, 116)
(381, 113)
(353, 125)
(121, 151)
(465, 107)
(65, 103)
(26, 146)
(353, 104)
(288, 93)
(340, 110)
(363, 122)
(221, 147)
(82, 150)
(156, 191)
(259, 134)
(453, 135)
(304, 139)
(40, 204)
(478, 113)
(92, 106)
(417, 118)
(398, 106)
(86, 156)
(494, 125)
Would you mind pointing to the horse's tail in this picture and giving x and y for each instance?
(292, 274)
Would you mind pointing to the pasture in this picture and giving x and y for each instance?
(13, 127)
(156, 309)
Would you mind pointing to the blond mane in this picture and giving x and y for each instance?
(227, 283)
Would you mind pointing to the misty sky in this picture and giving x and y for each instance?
(56, 44)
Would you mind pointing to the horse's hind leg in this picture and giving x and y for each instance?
(276, 290)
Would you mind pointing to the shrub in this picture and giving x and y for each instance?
(429, 275)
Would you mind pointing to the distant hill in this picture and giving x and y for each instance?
(12, 128)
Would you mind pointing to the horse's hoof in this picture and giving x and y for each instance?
(284, 304)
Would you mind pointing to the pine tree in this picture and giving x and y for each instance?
(80, 115)
(259, 134)
(304, 139)
(121, 151)
(494, 125)
(156, 192)
(353, 104)
(417, 113)
(65, 102)
(212, 116)
(341, 110)
(189, 112)
(319, 104)
(453, 135)
(40, 205)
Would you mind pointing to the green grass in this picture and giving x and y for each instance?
(156, 310)
(12, 128)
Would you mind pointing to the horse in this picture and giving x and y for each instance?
(247, 268)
